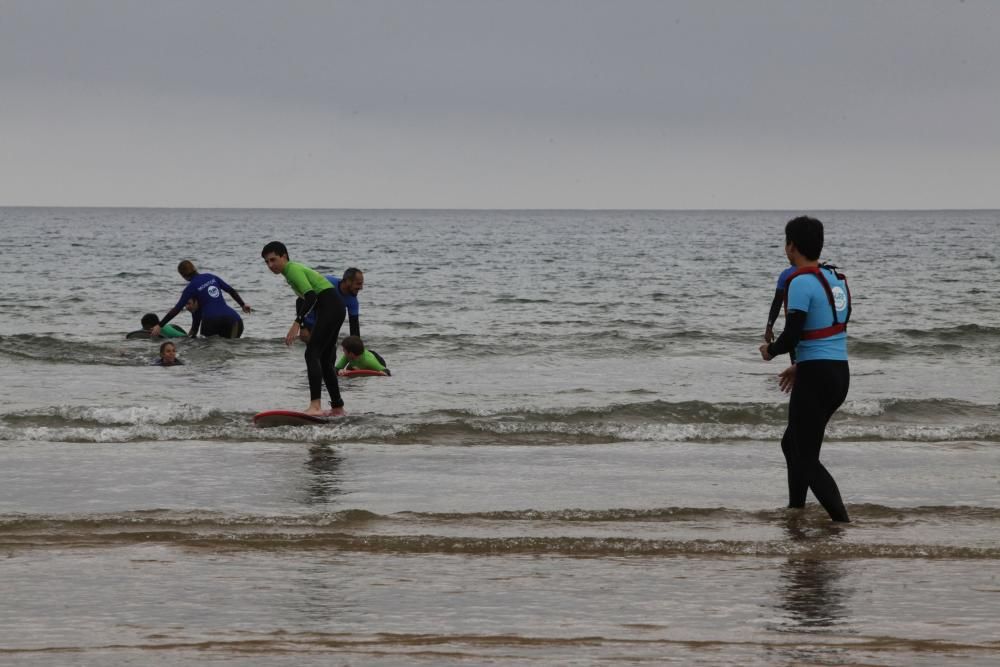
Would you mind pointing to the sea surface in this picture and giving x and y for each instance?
(576, 460)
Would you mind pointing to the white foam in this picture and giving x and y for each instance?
(137, 415)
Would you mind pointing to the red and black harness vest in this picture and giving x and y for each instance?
(836, 327)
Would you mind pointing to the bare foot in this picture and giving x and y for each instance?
(337, 412)
(315, 408)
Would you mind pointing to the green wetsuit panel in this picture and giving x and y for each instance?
(366, 362)
(303, 279)
(170, 331)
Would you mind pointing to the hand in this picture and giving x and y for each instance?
(342, 373)
(293, 333)
(764, 353)
(155, 331)
(786, 379)
(246, 308)
(768, 335)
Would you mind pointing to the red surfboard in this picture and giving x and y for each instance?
(290, 418)
(362, 372)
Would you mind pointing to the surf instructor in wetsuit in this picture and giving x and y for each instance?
(315, 294)
(819, 306)
(213, 314)
(348, 286)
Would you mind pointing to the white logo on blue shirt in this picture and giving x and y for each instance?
(213, 292)
(839, 297)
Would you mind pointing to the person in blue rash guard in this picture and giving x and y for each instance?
(819, 306)
(347, 286)
(776, 303)
(213, 314)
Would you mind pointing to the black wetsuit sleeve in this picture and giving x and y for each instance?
(355, 325)
(795, 322)
(236, 295)
(169, 316)
(779, 300)
(195, 323)
(304, 306)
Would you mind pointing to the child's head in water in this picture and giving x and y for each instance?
(149, 320)
(168, 354)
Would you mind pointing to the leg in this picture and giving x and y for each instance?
(330, 354)
(314, 372)
(321, 348)
(209, 327)
(820, 388)
(222, 326)
(797, 486)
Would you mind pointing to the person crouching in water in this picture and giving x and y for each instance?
(213, 315)
(168, 355)
(356, 357)
(314, 292)
(150, 320)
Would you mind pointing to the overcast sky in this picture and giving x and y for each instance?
(793, 104)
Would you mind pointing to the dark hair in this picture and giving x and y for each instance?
(163, 346)
(353, 344)
(186, 269)
(149, 320)
(350, 273)
(274, 247)
(806, 234)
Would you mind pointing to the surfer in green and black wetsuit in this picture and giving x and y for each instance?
(315, 294)
(356, 357)
(150, 320)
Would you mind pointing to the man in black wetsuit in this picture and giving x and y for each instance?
(819, 305)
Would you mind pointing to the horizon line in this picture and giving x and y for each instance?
(463, 208)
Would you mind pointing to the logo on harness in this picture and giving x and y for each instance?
(839, 297)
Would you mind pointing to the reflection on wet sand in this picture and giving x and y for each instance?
(324, 474)
(811, 596)
(811, 592)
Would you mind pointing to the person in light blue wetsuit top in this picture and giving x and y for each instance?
(819, 307)
(213, 314)
(347, 286)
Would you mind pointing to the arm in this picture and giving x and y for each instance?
(170, 315)
(786, 379)
(185, 295)
(355, 325)
(789, 338)
(236, 295)
(772, 315)
(195, 323)
(303, 306)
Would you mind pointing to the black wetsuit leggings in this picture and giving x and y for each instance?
(322, 347)
(820, 388)
(226, 327)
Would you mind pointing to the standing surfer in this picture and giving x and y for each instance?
(315, 295)
(818, 307)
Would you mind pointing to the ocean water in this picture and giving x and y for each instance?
(576, 460)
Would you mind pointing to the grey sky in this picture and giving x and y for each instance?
(793, 104)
